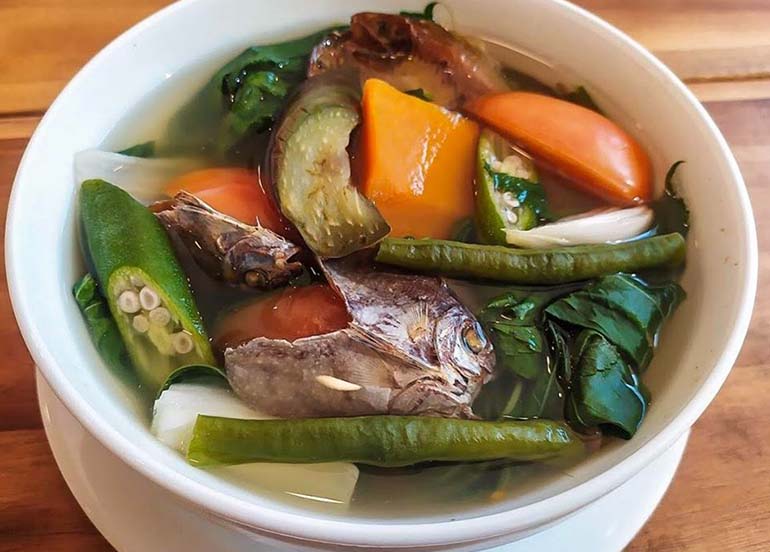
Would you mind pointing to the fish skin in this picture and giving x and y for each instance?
(399, 49)
(271, 374)
(405, 347)
(226, 248)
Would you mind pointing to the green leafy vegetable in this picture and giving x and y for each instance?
(144, 150)
(193, 372)
(581, 96)
(671, 213)
(622, 309)
(241, 101)
(465, 231)
(420, 93)
(101, 326)
(527, 385)
(605, 391)
(427, 13)
(583, 341)
(529, 193)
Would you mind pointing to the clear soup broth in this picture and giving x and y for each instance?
(424, 490)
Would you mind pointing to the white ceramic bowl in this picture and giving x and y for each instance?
(699, 344)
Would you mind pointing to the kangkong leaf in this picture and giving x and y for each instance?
(101, 326)
(581, 97)
(671, 212)
(241, 101)
(144, 150)
(528, 193)
(604, 390)
(427, 13)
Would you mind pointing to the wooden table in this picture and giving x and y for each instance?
(720, 499)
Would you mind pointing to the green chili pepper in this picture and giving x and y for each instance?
(145, 287)
(531, 266)
(388, 441)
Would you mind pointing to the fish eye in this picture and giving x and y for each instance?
(474, 338)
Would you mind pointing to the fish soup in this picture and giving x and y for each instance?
(383, 268)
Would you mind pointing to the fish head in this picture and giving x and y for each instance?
(464, 351)
(228, 249)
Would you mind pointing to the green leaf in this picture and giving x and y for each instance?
(427, 13)
(544, 398)
(101, 326)
(194, 372)
(241, 101)
(580, 96)
(525, 385)
(580, 309)
(623, 309)
(605, 391)
(420, 93)
(465, 231)
(530, 194)
(145, 149)
(671, 212)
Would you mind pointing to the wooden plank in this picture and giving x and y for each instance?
(37, 511)
(18, 407)
(696, 38)
(18, 127)
(44, 42)
(719, 498)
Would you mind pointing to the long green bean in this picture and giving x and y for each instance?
(531, 266)
(387, 441)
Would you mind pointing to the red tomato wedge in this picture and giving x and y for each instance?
(584, 146)
(290, 314)
(236, 192)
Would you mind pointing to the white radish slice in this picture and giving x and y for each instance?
(593, 227)
(145, 179)
(174, 415)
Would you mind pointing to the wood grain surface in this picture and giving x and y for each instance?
(720, 499)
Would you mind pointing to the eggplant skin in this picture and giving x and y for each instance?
(411, 349)
(309, 168)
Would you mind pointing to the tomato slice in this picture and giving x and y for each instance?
(236, 192)
(290, 314)
(587, 148)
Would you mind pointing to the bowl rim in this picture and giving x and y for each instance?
(363, 532)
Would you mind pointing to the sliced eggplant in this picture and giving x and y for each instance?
(509, 194)
(310, 170)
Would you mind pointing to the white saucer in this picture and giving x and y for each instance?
(134, 514)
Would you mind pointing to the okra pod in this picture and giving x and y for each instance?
(531, 266)
(388, 441)
(146, 289)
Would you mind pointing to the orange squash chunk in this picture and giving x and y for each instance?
(418, 162)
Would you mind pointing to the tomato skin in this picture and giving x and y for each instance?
(289, 314)
(236, 192)
(584, 146)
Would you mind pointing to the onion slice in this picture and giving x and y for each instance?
(611, 225)
(145, 179)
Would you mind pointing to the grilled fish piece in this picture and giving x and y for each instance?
(411, 348)
(226, 248)
(411, 53)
